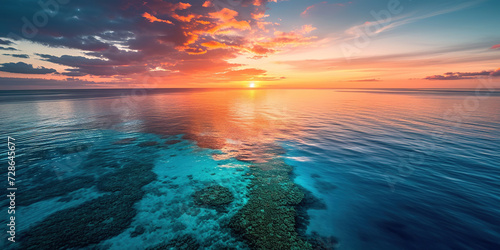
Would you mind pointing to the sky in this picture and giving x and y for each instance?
(63, 44)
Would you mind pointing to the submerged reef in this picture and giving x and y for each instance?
(95, 220)
(185, 242)
(268, 220)
(74, 149)
(213, 196)
(52, 189)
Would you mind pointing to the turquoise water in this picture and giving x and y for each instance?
(118, 169)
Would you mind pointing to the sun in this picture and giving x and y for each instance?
(251, 85)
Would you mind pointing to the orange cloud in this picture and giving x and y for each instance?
(153, 19)
(227, 20)
(207, 4)
(288, 38)
(224, 14)
(191, 50)
(260, 2)
(214, 45)
(169, 8)
(262, 25)
(182, 6)
(308, 8)
(186, 19)
(192, 37)
(258, 16)
(306, 11)
(259, 50)
(203, 22)
(307, 29)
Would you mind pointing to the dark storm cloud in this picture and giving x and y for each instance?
(24, 68)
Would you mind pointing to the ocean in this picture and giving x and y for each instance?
(253, 168)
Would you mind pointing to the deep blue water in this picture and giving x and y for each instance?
(396, 169)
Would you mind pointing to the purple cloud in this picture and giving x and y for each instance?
(24, 68)
(462, 75)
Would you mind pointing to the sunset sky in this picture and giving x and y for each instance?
(238, 43)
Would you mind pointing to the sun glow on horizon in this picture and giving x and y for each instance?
(252, 85)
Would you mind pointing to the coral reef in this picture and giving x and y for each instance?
(53, 189)
(84, 225)
(213, 196)
(302, 220)
(127, 179)
(74, 149)
(268, 220)
(185, 242)
(323, 243)
(95, 220)
(138, 231)
(324, 186)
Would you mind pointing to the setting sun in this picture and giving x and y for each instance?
(252, 85)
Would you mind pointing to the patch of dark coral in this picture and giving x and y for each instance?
(53, 189)
(185, 242)
(215, 196)
(101, 159)
(315, 176)
(87, 224)
(320, 242)
(324, 186)
(95, 220)
(309, 202)
(268, 220)
(127, 179)
(138, 231)
(74, 149)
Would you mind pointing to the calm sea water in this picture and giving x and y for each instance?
(394, 169)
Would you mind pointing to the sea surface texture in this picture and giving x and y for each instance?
(253, 169)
